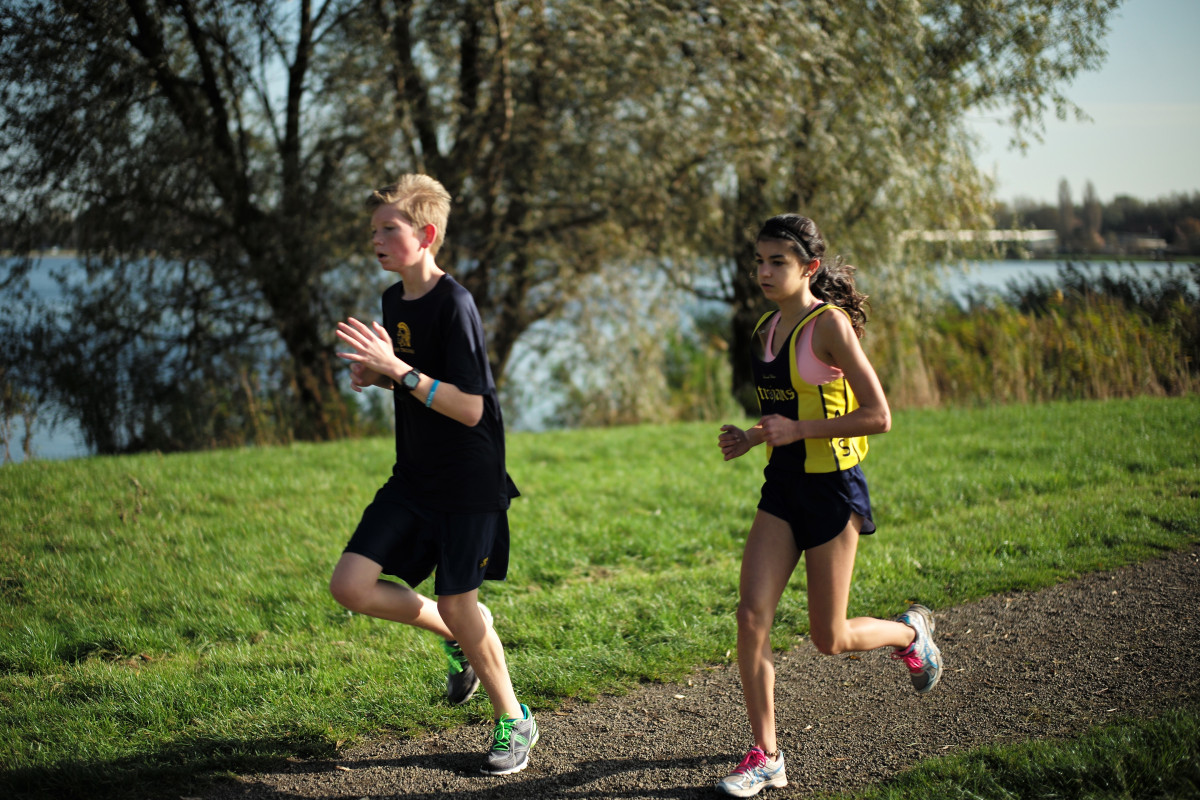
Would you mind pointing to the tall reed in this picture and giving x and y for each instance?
(1084, 335)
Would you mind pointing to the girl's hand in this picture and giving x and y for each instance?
(778, 430)
(734, 442)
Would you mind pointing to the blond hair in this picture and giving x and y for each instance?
(420, 199)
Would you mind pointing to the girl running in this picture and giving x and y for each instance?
(820, 398)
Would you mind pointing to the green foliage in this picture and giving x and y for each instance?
(218, 152)
(630, 352)
(171, 620)
(1127, 760)
(1086, 335)
(15, 404)
(860, 127)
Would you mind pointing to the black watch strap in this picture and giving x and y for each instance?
(411, 379)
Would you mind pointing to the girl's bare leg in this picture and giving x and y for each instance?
(767, 564)
(829, 569)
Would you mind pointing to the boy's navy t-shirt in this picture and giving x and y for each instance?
(442, 464)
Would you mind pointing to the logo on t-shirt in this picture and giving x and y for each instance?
(403, 339)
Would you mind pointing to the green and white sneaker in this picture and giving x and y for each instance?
(754, 774)
(461, 680)
(511, 742)
(922, 657)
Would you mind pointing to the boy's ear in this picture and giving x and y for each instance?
(428, 235)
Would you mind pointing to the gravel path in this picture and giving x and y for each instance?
(1018, 666)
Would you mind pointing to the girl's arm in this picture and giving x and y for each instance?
(736, 442)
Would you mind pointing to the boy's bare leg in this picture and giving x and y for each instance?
(482, 648)
(357, 586)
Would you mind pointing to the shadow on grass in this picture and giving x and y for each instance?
(183, 769)
(582, 780)
(189, 772)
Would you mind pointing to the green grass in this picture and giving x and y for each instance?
(167, 617)
(1129, 760)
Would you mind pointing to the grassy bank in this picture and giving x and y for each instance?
(1128, 760)
(168, 616)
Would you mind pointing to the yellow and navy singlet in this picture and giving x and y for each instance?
(781, 390)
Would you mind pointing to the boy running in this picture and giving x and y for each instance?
(444, 509)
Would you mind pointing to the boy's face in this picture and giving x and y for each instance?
(397, 244)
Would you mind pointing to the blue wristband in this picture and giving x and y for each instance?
(429, 397)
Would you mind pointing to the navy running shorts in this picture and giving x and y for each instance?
(411, 542)
(817, 505)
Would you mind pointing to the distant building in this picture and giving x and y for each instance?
(1035, 241)
(1137, 244)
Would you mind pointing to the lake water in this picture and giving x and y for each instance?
(65, 440)
(999, 275)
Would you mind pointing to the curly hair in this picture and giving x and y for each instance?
(833, 281)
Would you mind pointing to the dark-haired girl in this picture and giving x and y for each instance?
(820, 398)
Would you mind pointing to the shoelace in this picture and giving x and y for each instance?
(503, 733)
(454, 655)
(909, 656)
(754, 759)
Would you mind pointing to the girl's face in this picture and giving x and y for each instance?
(781, 273)
(397, 244)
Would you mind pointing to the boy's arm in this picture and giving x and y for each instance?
(448, 399)
(376, 356)
(361, 377)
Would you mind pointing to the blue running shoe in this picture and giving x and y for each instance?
(754, 774)
(922, 657)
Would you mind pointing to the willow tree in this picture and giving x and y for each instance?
(208, 158)
(200, 153)
(854, 112)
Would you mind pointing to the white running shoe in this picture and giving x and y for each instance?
(754, 774)
(922, 657)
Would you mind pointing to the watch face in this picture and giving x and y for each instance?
(411, 380)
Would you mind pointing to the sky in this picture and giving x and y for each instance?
(1143, 139)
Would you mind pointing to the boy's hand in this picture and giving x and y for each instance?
(373, 354)
(362, 377)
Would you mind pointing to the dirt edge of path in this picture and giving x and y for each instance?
(1018, 666)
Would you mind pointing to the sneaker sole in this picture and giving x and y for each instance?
(510, 771)
(773, 783)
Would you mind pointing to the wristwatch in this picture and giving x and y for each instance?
(411, 379)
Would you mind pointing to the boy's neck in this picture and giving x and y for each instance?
(420, 278)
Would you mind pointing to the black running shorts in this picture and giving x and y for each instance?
(817, 505)
(412, 542)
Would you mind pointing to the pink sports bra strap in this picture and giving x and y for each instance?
(812, 370)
